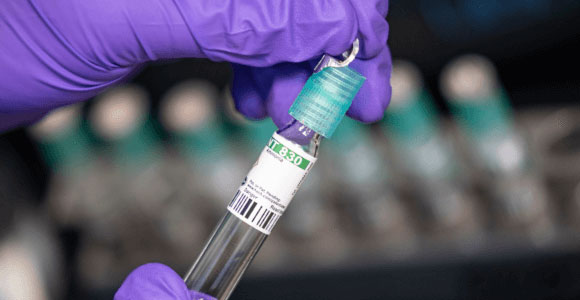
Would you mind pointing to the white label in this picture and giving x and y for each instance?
(271, 184)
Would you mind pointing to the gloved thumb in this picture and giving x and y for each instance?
(156, 282)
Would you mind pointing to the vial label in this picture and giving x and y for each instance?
(271, 184)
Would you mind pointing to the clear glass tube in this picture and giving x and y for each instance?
(233, 244)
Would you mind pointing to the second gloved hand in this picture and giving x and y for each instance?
(156, 282)
(57, 52)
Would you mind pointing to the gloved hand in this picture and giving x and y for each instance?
(56, 52)
(156, 282)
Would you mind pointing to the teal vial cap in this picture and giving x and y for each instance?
(325, 98)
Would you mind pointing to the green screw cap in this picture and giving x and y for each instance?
(325, 98)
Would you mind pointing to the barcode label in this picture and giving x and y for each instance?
(250, 211)
(270, 185)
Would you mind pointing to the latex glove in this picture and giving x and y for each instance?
(259, 92)
(56, 52)
(156, 282)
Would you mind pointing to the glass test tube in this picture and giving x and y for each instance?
(292, 150)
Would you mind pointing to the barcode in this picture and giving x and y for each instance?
(252, 212)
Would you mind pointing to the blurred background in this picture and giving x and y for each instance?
(469, 188)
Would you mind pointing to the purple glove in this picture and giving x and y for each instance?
(56, 52)
(156, 282)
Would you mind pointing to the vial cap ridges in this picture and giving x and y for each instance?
(325, 98)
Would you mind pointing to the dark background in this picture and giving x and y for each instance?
(535, 45)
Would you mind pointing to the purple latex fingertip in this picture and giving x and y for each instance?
(297, 132)
(156, 281)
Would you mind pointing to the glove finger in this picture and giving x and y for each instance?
(156, 282)
(275, 86)
(280, 85)
(372, 26)
(262, 33)
(256, 33)
(247, 99)
(374, 96)
(283, 87)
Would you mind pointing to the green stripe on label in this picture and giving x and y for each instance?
(288, 154)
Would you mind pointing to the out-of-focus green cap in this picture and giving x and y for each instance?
(138, 147)
(203, 142)
(68, 150)
(485, 115)
(63, 139)
(479, 103)
(120, 121)
(414, 121)
(325, 98)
